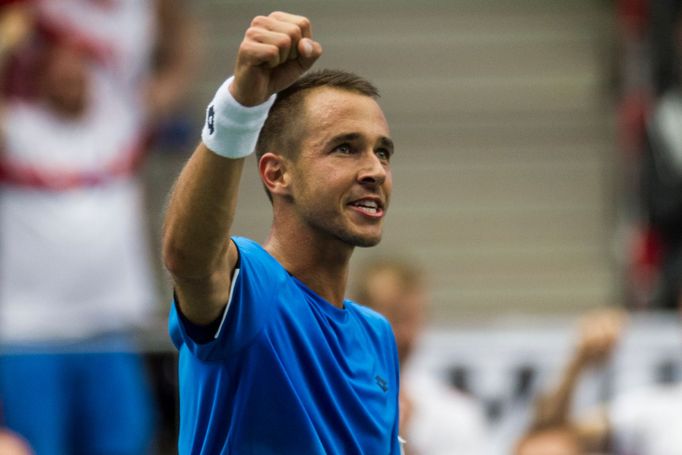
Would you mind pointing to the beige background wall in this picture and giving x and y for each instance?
(503, 169)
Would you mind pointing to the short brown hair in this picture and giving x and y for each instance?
(281, 131)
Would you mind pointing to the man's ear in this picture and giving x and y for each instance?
(274, 171)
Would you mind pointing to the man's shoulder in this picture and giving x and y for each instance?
(259, 273)
(254, 254)
(245, 244)
(367, 314)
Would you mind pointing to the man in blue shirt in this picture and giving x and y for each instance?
(273, 359)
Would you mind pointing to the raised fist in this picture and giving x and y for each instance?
(600, 332)
(276, 50)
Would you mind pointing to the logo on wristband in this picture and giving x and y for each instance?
(210, 120)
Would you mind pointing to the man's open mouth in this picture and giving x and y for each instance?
(372, 207)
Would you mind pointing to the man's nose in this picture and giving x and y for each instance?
(373, 170)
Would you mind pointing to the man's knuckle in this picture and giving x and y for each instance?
(251, 33)
(304, 23)
(272, 53)
(244, 46)
(296, 33)
(258, 21)
(276, 14)
(284, 41)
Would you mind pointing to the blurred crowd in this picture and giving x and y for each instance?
(440, 416)
(85, 84)
(650, 142)
(86, 87)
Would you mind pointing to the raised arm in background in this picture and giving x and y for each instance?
(175, 57)
(599, 333)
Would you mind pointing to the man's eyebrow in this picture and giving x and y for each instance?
(345, 137)
(350, 137)
(387, 143)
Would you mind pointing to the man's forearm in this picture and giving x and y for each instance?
(555, 406)
(200, 214)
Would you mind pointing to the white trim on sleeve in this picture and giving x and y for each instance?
(227, 307)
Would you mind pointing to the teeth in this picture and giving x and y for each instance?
(368, 204)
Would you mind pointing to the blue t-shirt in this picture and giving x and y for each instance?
(287, 372)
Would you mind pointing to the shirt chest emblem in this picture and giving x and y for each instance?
(381, 382)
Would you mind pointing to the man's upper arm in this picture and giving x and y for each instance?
(196, 247)
(202, 300)
(250, 305)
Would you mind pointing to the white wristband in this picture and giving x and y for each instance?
(231, 130)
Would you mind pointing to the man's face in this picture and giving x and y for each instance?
(341, 176)
(403, 306)
(66, 81)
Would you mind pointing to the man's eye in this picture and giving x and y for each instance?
(344, 148)
(384, 154)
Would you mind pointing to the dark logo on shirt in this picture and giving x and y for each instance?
(381, 382)
(210, 120)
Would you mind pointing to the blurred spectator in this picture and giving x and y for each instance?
(653, 103)
(435, 419)
(81, 92)
(662, 191)
(554, 430)
(647, 421)
(662, 158)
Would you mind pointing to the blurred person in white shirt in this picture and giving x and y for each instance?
(81, 92)
(435, 418)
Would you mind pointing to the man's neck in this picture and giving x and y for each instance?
(322, 264)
